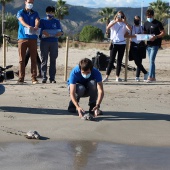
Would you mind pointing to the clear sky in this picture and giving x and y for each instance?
(110, 3)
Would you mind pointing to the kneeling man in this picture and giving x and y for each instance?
(85, 81)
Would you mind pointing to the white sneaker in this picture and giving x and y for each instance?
(118, 79)
(145, 77)
(105, 80)
(137, 79)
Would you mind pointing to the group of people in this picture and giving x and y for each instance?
(120, 29)
(85, 80)
(31, 27)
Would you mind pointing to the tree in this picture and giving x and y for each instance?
(61, 9)
(161, 10)
(90, 33)
(3, 3)
(106, 14)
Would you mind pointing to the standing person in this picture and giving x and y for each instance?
(50, 31)
(118, 28)
(28, 22)
(137, 49)
(84, 81)
(153, 26)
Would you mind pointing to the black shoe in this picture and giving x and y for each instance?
(52, 81)
(44, 81)
(71, 107)
(92, 105)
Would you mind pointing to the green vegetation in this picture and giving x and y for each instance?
(61, 9)
(161, 10)
(90, 33)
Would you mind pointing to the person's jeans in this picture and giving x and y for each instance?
(50, 48)
(152, 51)
(87, 91)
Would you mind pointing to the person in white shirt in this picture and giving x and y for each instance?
(118, 28)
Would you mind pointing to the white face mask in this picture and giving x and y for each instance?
(29, 6)
(86, 76)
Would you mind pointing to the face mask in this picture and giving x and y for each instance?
(49, 16)
(136, 22)
(149, 19)
(29, 6)
(86, 76)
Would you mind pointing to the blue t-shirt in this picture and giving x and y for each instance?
(29, 18)
(76, 77)
(52, 24)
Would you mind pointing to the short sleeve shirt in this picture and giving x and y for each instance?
(29, 18)
(76, 77)
(153, 27)
(118, 31)
(50, 24)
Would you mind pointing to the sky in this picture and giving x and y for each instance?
(111, 3)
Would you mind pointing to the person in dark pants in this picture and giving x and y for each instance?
(137, 49)
(118, 28)
(50, 31)
(85, 81)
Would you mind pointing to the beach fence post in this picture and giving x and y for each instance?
(4, 51)
(66, 59)
(126, 58)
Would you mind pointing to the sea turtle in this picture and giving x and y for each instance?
(32, 135)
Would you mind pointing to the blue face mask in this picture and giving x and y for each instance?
(149, 19)
(86, 76)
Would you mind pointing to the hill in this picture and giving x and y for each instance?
(78, 17)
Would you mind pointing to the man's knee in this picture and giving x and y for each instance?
(80, 90)
(92, 85)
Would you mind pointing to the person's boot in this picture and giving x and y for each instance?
(92, 105)
(71, 107)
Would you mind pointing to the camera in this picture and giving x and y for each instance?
(6, 75)
(119, 16)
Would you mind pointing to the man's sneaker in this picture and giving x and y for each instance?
(44, 81)
(34, 81)
(137, 79)
(145, 77)
(105, 80)
(52, 81)
(20, 81)
(71, 107)
(118, 79)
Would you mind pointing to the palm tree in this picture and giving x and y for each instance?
(3, 3)
(106, 14)
(61, 9)
(161, 10)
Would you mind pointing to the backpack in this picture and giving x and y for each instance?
(100, 61)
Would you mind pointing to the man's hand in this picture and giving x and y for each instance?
(96, 111)
(80, 111)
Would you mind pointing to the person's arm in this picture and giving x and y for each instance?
(100, 95)
(162, 33)
(74, 100)
(37, 23)
(110, 25)
(21, 20)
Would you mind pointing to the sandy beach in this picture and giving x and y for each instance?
(135, 113)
